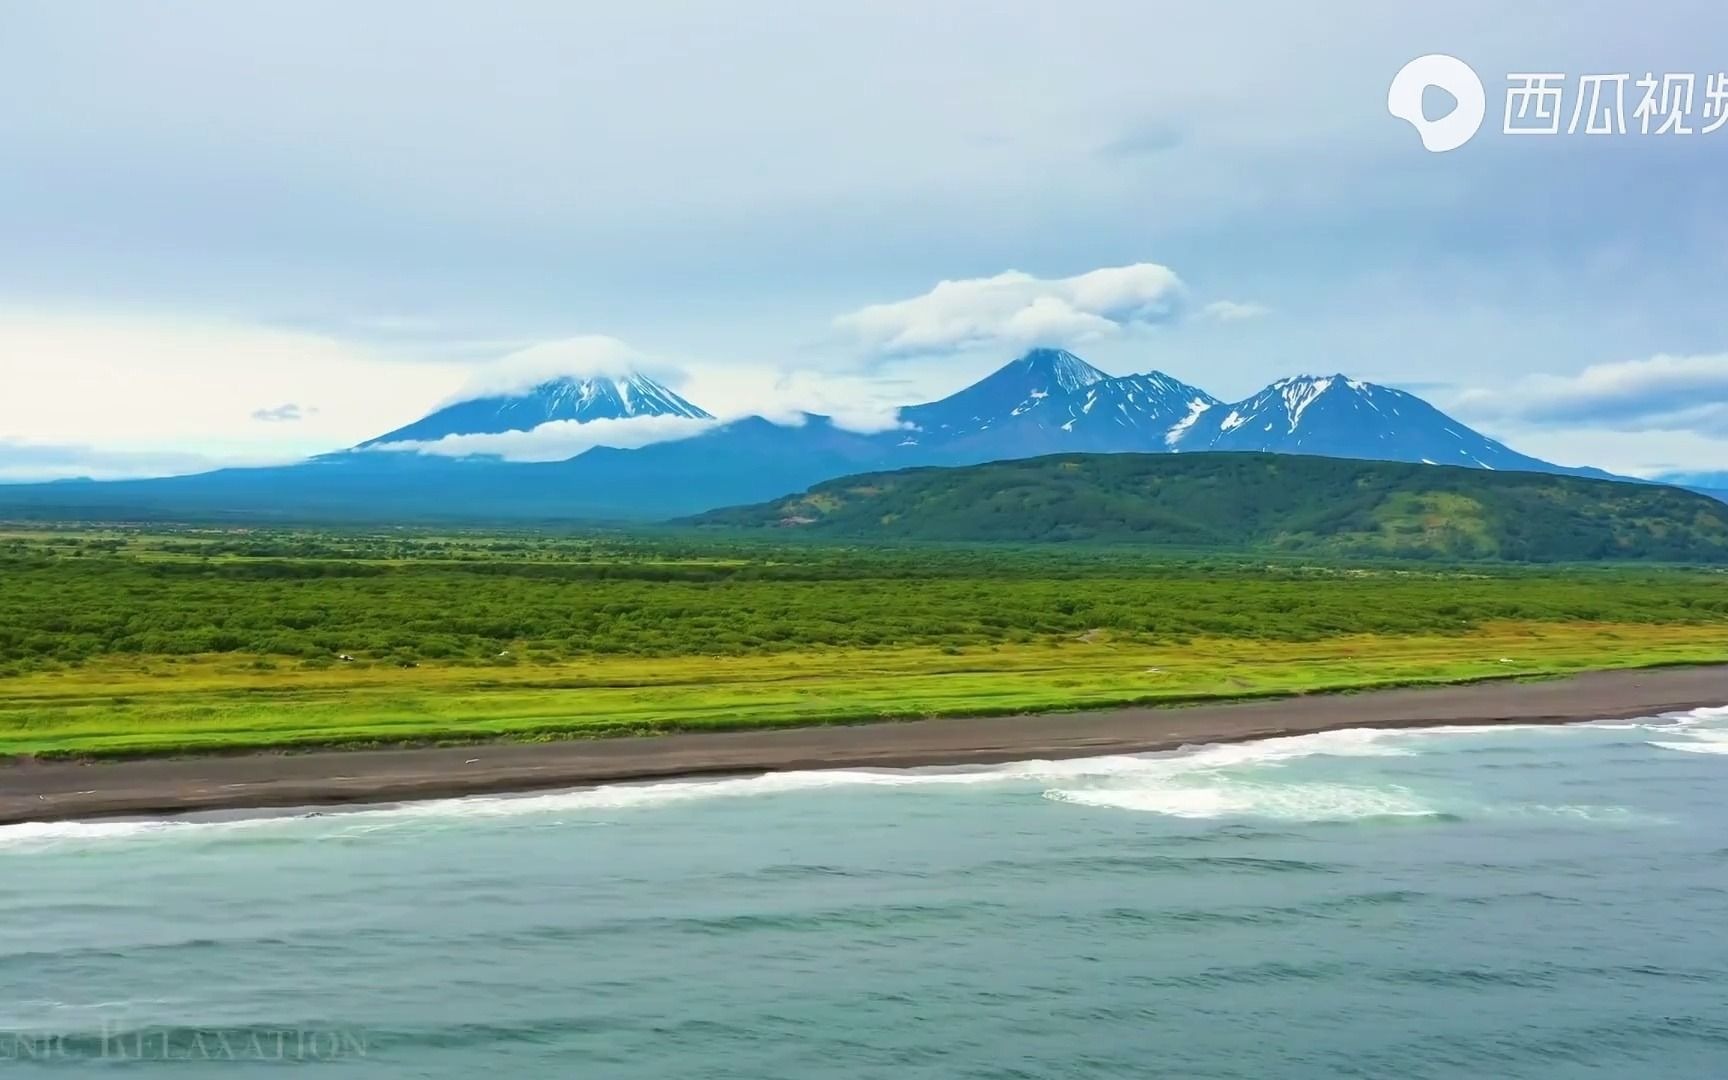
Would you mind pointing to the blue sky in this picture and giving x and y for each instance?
(239, 232)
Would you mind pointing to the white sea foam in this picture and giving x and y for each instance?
(1242, 780)
(1696, 732)
(31, 833)
(1287, 802)
(1690, 718)
(47, 1014)
(1694, 747)
(666, 793)
(611, 797)
(1223, 780)
(1122, 768)
(1351, 743)
(1202, 781)
(1609, 815)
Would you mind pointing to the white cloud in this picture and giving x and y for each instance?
(22, 461)
(585, 356)
(1662, 393)
(286, 413)
(561, 439)
(153, 384)
(1629, 453)
(1233, 311)
(1017, 310)
(109, 396)
(1639, 417)
(853, 402)
(856, 402)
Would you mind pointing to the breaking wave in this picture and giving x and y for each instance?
(1691, 732)
(1287, 802)
(1209, 781)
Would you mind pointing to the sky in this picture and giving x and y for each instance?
(237, 233)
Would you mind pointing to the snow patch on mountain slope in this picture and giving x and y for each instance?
(1300, 393)
(1073, 373)
(1196, 409)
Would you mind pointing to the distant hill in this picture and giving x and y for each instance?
(1253, 501)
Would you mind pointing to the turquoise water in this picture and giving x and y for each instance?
(1515, 902)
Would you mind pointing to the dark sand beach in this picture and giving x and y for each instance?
(48, 791)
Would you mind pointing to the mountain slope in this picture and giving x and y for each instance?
(1247, 501)
(567, 398)
(1011, 391)
(746, 459)
(1049, 400)
(1336, 416)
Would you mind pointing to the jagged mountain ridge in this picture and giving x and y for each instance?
(1337, 416)
(1047, 400)
(1051, 401)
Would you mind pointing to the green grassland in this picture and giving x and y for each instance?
(1327, 507)
(124, 642)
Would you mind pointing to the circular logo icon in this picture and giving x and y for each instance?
(1449, 132)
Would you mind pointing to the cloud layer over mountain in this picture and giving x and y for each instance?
(1017, 310)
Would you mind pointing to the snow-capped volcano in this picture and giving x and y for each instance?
(1051, 400)
(1337, 416)
(564, 398)
(1012, 390)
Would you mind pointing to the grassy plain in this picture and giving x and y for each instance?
(117, 643)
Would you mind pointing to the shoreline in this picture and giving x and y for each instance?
(153, 787)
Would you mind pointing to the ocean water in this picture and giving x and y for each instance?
(1510, 902)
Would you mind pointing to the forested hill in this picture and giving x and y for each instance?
(1245, 501)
